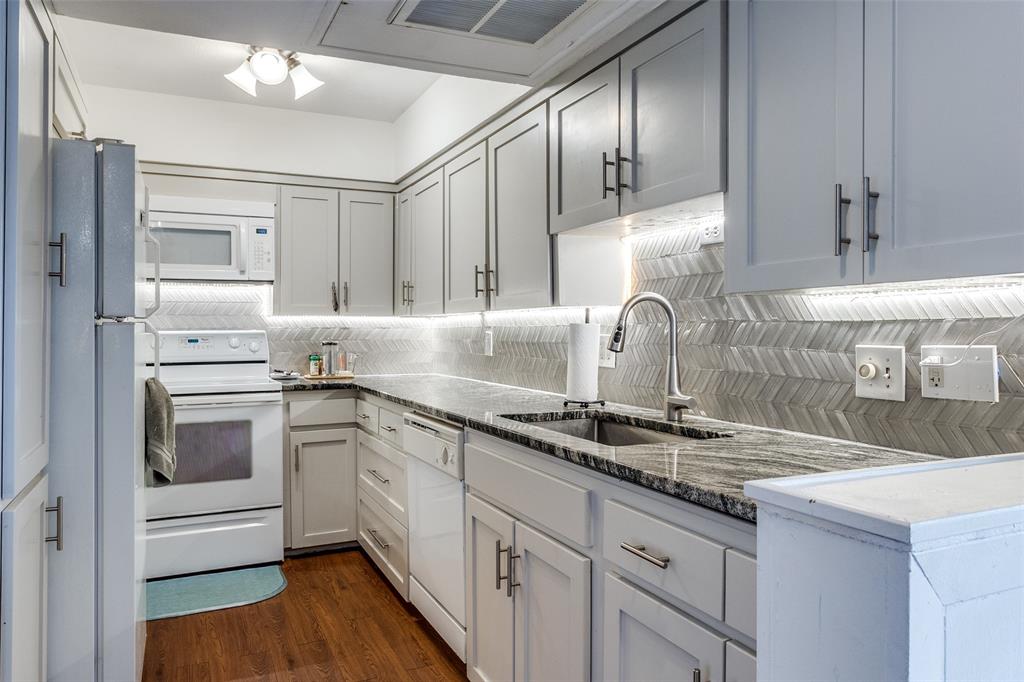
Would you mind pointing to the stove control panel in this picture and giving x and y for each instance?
(216, 346)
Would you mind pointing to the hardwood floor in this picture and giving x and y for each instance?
(337, 620)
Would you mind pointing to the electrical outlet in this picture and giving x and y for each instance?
(712, 233)
(605, 358)
(881, 373)
(489, 342)
(959, 373)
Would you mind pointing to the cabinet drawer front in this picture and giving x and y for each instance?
(694, 566)
(391, 427)
(367, 416)
(740, 664)
(559, 505)
(741, 591)
(321, 412)
(382, 476)
(386, 542)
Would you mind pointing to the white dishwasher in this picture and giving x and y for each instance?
(437, 543)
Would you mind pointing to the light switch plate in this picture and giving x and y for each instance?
(605, 358)
(881, 372)
(975, 377)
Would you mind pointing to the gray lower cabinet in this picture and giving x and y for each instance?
(307, 279)
(519, 244)
(323, 484)
(490, 614)
(420, 272)
(646, 639)
(366, 241)
(465, 231)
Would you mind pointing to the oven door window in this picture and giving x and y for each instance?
(213, 451)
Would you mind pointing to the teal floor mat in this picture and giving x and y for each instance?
(172, 597)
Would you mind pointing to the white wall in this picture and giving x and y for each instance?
(449, 108)
(175, 129)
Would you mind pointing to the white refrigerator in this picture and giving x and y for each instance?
(96, 600)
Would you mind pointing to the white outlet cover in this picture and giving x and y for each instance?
(975, 377)
(712, 233)
(881, 373)
(605, 358)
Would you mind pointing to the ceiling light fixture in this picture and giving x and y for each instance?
(272, 67)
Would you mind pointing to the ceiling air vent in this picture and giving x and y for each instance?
(520, 21)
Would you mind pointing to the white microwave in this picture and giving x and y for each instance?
(208, 239)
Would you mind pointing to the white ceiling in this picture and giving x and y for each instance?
(359, 29)
(169, 63)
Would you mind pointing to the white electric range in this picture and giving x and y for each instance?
(224, 507)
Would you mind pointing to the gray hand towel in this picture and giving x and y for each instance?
(160, 459)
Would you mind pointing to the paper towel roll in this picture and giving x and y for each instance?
(581, 374)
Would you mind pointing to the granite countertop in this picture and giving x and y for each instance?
(709, 472)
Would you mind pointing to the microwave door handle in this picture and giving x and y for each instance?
(243, 247)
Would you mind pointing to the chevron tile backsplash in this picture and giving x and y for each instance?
(782, 360)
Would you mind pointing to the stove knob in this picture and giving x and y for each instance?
(254, 346)
(445, 456)
(233, 342)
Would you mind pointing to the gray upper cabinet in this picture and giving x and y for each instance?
(520, 251)
(584, 128)
(366, 242)
(671, 113)
(307, 279)
(403, 252)
(425, 293)
(465, 231)
(794, 145)
(944, 140)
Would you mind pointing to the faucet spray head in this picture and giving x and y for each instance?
(617, 339)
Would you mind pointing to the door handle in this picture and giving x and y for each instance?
(498, 551)
(411, 287)
(641, 551)
(840, 202)
(334, 296)
(869, 235)
(59, 537)
(488, 289)
(346, 296)
(62, 273)
(376, 474)
(296, 459)
(619, 184)
(511, 584)
(373, 534)
(604, 176)
(476, 282)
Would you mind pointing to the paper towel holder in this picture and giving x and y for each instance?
(582, 404)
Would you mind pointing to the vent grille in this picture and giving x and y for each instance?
(521, 21)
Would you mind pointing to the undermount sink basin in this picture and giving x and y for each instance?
(615, 430)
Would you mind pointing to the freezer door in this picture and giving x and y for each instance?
(118, 250)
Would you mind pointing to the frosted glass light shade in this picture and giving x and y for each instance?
(269, 66)
(243, 78)
(303, 81)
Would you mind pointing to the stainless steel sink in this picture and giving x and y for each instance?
(616, 430)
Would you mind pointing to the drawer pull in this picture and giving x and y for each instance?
(373, 534)
(363, 416)
(389, 429)
(376, 474)
(641, 551)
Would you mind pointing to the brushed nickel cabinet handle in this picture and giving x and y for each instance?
(373, 534)
(476, 282)
(696, 675)
(411, 287)
(334, 296)
(389, 429)
(59, 537)
(62, 273)
(498, 551)
(511, 584)
(296, 459)
(641, 551)
(865, 216)
(619, 184)
(840, 202)
(604, 176)
(346, 296)
(376, 474)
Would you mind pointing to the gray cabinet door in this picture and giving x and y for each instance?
(323, 491)
(366, 243)
(520, 247)
(584, 125)
(426, 216)
(403, 252)
(672, 114)
(944, 140)
(795, 99)
(489, 607)
(308, 281)
(465, 231)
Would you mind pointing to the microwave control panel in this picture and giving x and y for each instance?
(261, 249)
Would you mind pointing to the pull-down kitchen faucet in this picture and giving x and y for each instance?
(675, 400)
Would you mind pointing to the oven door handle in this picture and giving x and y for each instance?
(240, 400)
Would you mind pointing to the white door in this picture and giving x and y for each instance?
(426, 293)
(308, 278)
(520, 246)
(943, 140)
(795, 144)
(23, 530)
(489, 607)
(323, 487)
(28, 258)
(403, 251)
(646, 639)
(671, 112)
(367, 245)
(465, 231)
(552, 607)
(584, 128)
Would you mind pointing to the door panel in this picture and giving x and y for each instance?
(552, 609)
(427, 226)
(489, 609)
(671, 113)
(584, 124)
(308, 253)
(465, 231)
(520, 246)
(323, 504)
(23, 527)
(795, 132)
(403, 251)
(367, 219)
(944, 144)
